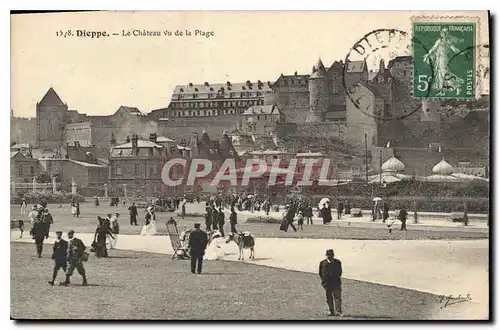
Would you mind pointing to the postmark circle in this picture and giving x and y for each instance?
(378, 42)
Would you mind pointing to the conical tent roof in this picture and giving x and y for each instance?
(393, 165)
(225, 143)
(319, 70)
(204, 140)
(443, 168)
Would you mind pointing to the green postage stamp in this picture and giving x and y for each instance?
(444, 57)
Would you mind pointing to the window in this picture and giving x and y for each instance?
(118, 170)
(151, 171)
(20, 170)
(136, 169)
(32, 170)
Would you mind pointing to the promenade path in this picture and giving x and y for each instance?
(434, 266)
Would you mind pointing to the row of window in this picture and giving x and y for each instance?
(200, 113)
(219, 104)
(152, 170)
(219, 94)
(31, 172)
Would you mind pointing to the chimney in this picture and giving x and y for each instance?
(152, 137)
(135, 138)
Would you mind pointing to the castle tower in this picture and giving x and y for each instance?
(50, 117)
(318, 94)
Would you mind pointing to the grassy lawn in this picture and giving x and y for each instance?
(87, 223)
(138, 285)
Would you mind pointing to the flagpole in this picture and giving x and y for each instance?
(380, 164)
(366, 156)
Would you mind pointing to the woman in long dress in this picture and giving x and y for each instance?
(100, 235)
(149, 228)
(214, 250)
(115, 230)
(73, 210)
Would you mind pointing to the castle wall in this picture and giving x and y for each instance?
(79, 132)
(23, 130)
(363, 121)
(293, 101)
(183, 128)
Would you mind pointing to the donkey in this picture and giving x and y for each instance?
(244, 241)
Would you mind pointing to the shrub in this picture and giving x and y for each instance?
(263, 220)
(35, 197)
(193, 215)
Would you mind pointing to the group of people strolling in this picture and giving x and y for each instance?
(215, 218)
(106, 227)
(40, 219)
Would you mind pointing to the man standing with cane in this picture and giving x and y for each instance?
(330, 272)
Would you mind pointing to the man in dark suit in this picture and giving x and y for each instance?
(403, 215)
(233, 220)
(133, 214)
(39, 233)
(59, 255)
(76, 256)
(197, 244)
(330, 272)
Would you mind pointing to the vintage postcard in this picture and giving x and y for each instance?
(250, 165)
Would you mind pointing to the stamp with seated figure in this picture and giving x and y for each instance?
(445, 58)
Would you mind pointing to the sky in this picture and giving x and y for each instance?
(97, 75)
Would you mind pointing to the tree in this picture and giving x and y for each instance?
(43, 177)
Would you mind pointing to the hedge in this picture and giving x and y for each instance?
(35, 197)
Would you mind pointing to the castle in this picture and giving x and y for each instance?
(308, 111)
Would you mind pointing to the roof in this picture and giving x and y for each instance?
(225, 144)
(103, 161)
(205, 140)
(319, 70)
(261, 109)
(51, 98)
(269, 152)
(443, 168)
(356, 66)
(230, 90)
(140, 144)
(21, 146)
(292, 80)
(15, 153)
(84, 164)
(393, 165)
(130, 110)
(310, 154)
(400, 59)
(164, 139)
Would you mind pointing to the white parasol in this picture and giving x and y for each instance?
(249, 196)
(322, 202)
(376, 199)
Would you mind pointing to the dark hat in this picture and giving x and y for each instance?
(71, 231)
(329, 253)
(197, 225)
(58, 232)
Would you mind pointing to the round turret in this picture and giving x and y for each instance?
(319, 94)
